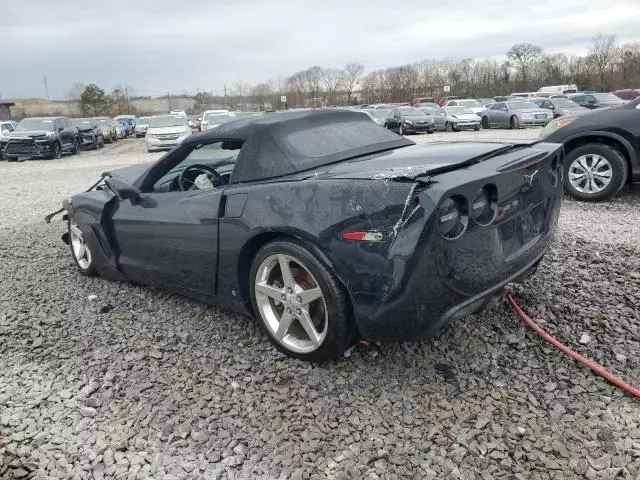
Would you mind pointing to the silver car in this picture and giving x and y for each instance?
(454, 119)
(471, 103)
(379, 115)
(109, 132)
(515, 114)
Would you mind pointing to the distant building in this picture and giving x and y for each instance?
(5, 109)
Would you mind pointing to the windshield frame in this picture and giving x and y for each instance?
(527, 104)
(179, 121)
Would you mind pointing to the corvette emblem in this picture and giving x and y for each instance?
(529, 179)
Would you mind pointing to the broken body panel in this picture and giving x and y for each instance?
(403, 286)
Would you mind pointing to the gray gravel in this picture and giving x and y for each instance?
(101, 379)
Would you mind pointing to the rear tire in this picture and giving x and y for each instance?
(604, 163)
(329, 313)
(514, 123)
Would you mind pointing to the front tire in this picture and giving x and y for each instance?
(80, 251)
(57, 151)
(448, 127)
(514, 123)
(594, 172)
(300, 304)
(485, 123)
(400, 130)
(76, 147)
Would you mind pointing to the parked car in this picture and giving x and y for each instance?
(602, 149)
(182, 113)
(419, 100)
(227, 218)
(514, 114)
(6, 127)
(383, 106)
(559, 106)
(471, 103)
(42, 137)
(443, 101)
(379, 115)
(596, 100)
(523, 95)
(213, 118)
(142, 124)
(109, 131)
(121, 127)
(502, 98)
(454, 119)
(406, 120)
(556, 89)
(90, 134)
(627, 94)
(165, 132)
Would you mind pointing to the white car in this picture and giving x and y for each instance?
(471, 103)
(5, 129)
(165, 132)
(182, 113)
(213, 118)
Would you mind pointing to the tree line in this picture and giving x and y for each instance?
(606, 66)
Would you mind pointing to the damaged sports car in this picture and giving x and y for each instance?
(325, 226)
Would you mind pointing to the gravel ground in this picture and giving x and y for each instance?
(102, 379)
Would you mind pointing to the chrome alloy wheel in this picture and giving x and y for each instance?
(81, 251)
(590, 173)
(291, 303)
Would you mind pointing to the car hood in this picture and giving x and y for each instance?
(476, 109)
(85, 129)
(466, 116)
(28, 133)
(415, 160)
(166, 130)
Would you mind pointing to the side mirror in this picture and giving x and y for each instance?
(60, 129)
(123, 189)
(6, 132)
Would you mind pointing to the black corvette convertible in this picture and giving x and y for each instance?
(325, 226)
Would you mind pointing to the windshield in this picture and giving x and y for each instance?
(103, 122)
(167, 121)
(82, 122)
(459, 110)
(412, 112)
(217, 119)
(563, 103)
(469, 103)
(428, 110)
(142, 121)
(31, 124)
(520, 105)
(607, 97)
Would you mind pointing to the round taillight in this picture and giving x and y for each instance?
(452, 217)
(482, 208)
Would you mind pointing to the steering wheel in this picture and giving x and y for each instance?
(185, 176)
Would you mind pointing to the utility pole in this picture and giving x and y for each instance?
(169, 100)
(225, 95)
(46, 86)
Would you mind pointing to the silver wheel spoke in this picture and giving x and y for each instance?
(76, 231)
(285, 269)
(81, 252)
(269, 291)
(595, 162)
(283, 327)
(308, 296)
(307, 324)
(576, 176)
(582, 161)
(604, 174)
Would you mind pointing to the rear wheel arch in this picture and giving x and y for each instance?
(251, 248)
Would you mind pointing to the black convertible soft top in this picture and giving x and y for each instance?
(285, 143)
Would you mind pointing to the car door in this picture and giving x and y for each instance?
(169, 239)
(68, 133)
(393, 123)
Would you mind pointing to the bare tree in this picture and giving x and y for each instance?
(332, 81)
(261, 93)
(352, 73)
(523, 58)
(603, 54)
(75, 91)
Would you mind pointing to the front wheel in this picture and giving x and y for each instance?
(594, 172)
(80, 251)
(300, 303)
(448, 127)
(514, 123)
(485, 123)
(400, 130)
(57, 151)
(101, 144)
(76, 147)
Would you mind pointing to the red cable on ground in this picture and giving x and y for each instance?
(567, 351)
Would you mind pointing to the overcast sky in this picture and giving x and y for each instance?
(168, 45)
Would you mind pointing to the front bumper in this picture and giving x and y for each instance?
(418, 128)
(467, 125)
(28, 148)
(153, 143)
(535, 121)
(88, 141)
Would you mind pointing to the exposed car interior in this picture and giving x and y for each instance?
(205, 166)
